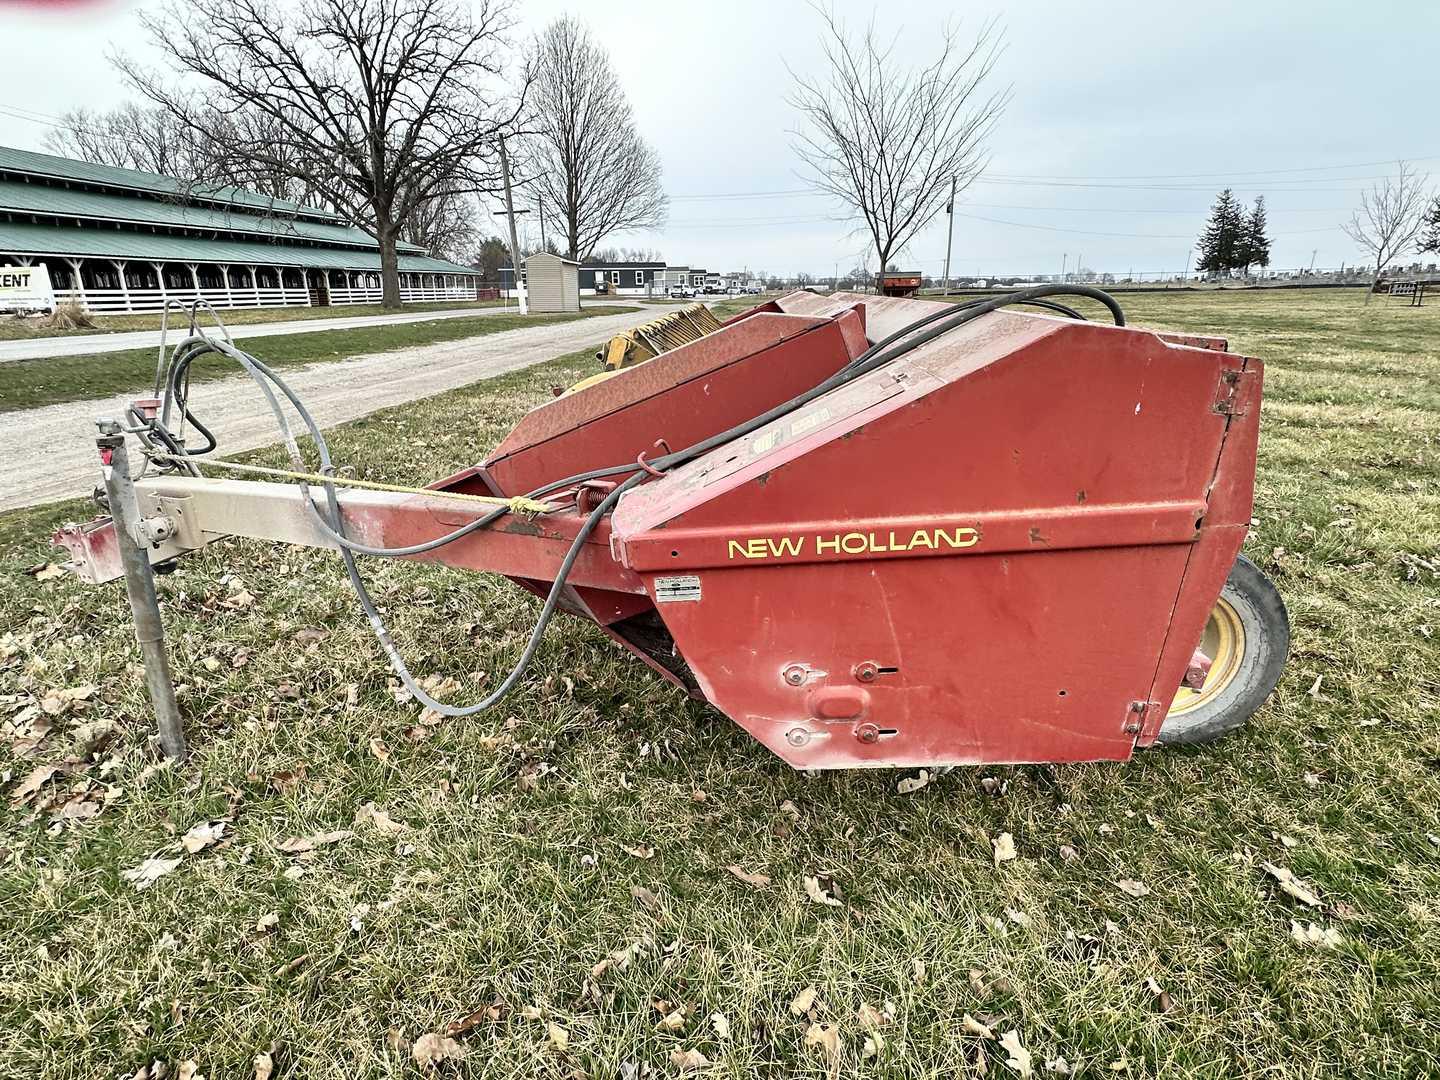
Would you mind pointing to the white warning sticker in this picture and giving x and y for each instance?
(680, 587)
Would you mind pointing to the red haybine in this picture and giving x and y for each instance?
(872, 531)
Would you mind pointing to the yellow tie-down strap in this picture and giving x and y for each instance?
(649, 340)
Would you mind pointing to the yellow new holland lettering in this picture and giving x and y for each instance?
(853, 543)
(761, 547)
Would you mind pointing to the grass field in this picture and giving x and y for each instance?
(26, 384)
(14, 327)
(554, 874)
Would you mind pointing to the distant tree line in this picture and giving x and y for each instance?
(1234, 239)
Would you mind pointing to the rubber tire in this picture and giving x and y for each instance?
(1267, 644)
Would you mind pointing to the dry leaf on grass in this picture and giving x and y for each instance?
(869, 1017)
(1004, 846)
(267, 922)
(1312, 934)
(1068, 853)
(187, 1070)
(759, 881)
(822, 890)
(643, 851)
(470, 1021)
(34, 780)
(826, 1037)
(721, 1025)
(148, 872)
(1289, 883)
(803, 1001)
(558, 1036)
(202, 836)
(1163, 1002)
(672, 1021)
(370, 814)
(1130, 887)
(970, 1026)
(1019, 1058)
(264, 1066)
(913, 783)
(646, 899)
(297, 845)
(379, 749)
(688, 1060)
(430, 1049)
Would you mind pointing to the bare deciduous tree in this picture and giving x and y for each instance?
(587, 164)
(152, 139)
(447, 226)
(130, 136)
(887, 141)
(379, 106)
(1390, 218)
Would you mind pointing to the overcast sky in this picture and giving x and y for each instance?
(1127, 117)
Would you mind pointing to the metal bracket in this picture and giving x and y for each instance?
(1138, 713)
(1227, 395)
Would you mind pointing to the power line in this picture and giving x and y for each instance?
(1205, 176)
(1082, 232)
(1154, 210)
(1060, 180)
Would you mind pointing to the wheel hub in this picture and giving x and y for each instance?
(1224, 643)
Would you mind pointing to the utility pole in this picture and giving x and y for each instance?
(1064, 263)
(1312, 259)
(544, 245)
(514, 239)
(1077, 268)
(1186, 275)
(949, 233)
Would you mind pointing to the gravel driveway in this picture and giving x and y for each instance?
(48, 453)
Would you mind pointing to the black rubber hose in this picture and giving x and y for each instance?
(888, 349)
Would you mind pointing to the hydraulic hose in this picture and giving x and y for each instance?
(331, 522)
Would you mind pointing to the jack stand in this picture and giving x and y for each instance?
(140, 585)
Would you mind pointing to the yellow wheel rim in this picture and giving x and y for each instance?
(1224, 642)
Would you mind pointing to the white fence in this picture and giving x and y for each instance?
(409, 294)
(344, 294)
(111, 301)
(119, 301)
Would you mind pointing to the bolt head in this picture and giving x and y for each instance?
(797, 736)
(794, 674)
(867, 733)
(867, 671)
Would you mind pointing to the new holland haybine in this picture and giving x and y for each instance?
(872, 531)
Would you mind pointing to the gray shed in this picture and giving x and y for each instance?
(552, 283)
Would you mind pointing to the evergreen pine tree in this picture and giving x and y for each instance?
(1430, 240)
(1254, 246)
(1222, 239)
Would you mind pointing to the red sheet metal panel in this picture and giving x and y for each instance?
(971, 555)
(884, 315)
